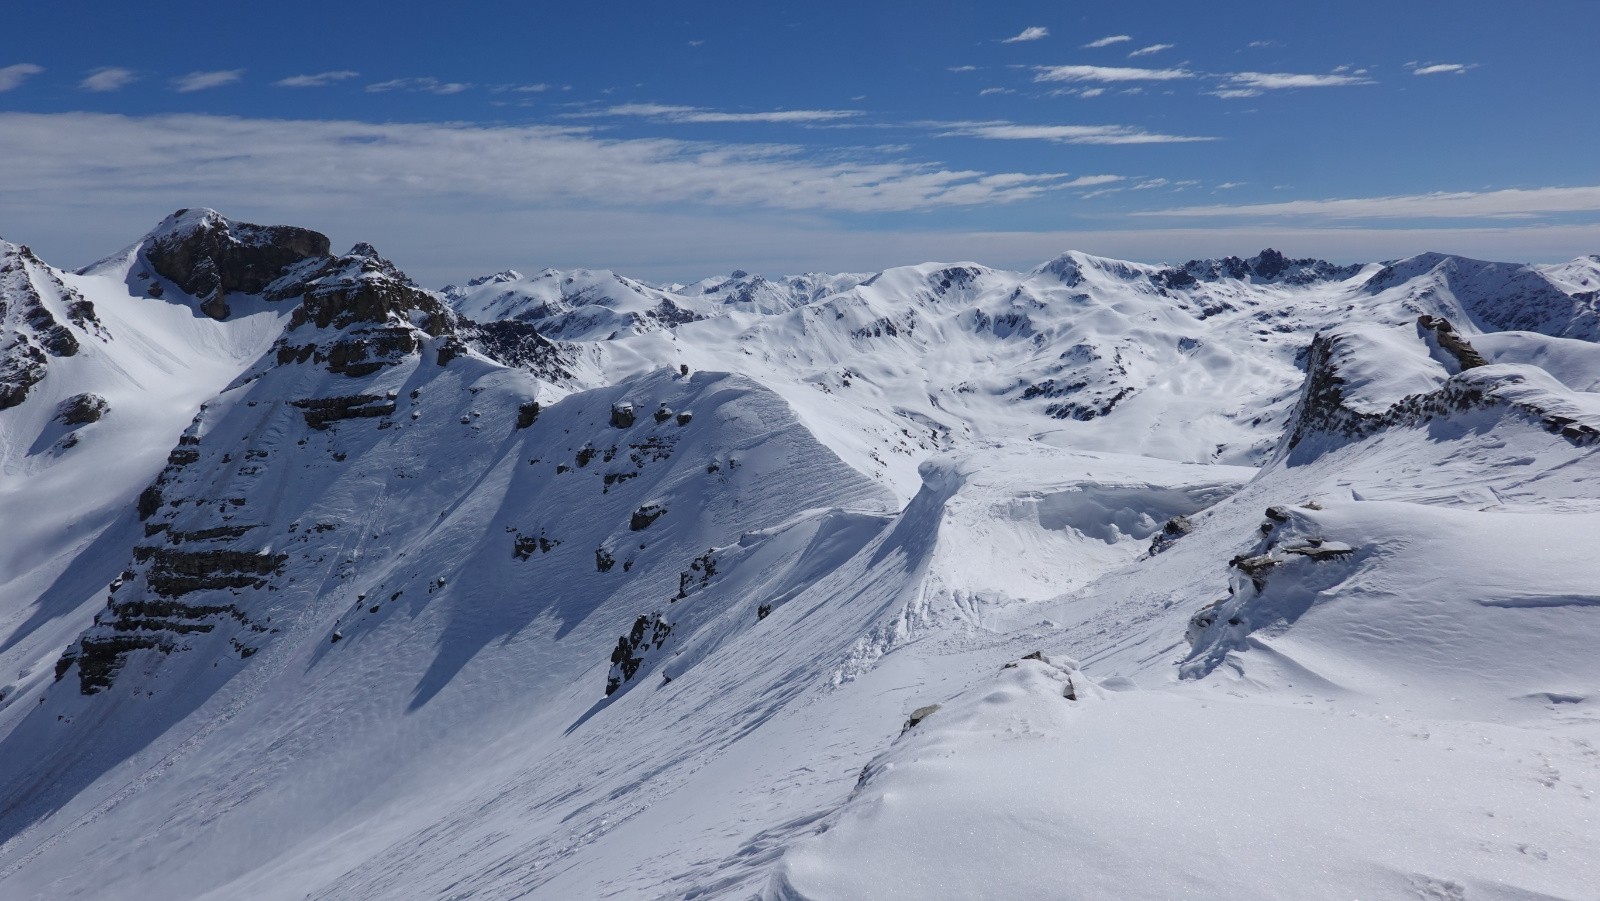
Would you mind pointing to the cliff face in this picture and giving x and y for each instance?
(31, 334)
(208, 256)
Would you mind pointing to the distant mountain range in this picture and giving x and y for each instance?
(1251, 578)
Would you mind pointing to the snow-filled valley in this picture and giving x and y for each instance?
(1246, 578)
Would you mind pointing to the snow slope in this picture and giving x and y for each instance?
(572, 586)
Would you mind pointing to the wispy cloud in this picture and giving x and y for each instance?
(1061, 134)
(1147, 51)
(1107, 41)
(1277, 81)
(424, 85)
(1506, 203)
(1091, 92)
(307, 163)
(986, 92)
(1443, 68)
(13, 76)
(107, 79)
(1031, 33)
(1107, 74)
(520, 88)
(317, 80)
(963, 68)
(201, 81)
(694, 114)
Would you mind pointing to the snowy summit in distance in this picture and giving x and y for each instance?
(1251, 577)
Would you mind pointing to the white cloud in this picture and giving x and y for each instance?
(1230, 184)
(1088, 181)
(1442, 68)
(1153, 48)
(519, 88)
(963, 68)
(1061, 134)
(109, 78)
(989, 91)
(1234, 93)
(72, 158)
(696, 43)
(1260, 44)
(201, 81)
(320, 79)
(13, 76)
(1506, 203)
(1107, 74)
(1151, 183)
(1273, 81)
(1107, 41)
(426, 85)
(1031, 33)
(694, 114)
(1091, 92)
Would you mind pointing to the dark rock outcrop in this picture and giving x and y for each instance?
(209, 256)
(29, 333)
(649, 633)
(358, 315)
(1465, 355)
(644, 516)
(322, 412)
(1267, 266)
(518, 344)
(81, 409)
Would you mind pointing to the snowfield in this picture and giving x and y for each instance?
(1246, 578)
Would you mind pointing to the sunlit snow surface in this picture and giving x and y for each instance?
(890, 490)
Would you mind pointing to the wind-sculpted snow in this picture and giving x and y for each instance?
(1254, 577)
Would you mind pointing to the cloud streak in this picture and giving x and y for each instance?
(1107, 41)
(203, 81)
(427, 84)
(694, 114)
(1108, 74)
(1279, 81)
(1442, 69)
(1508, 203)
(1063, 134)
(1031, 33)
(317, 80)
(214, 160)
(12, 77)
(108, 79)
(1153, 48)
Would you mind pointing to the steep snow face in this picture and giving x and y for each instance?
(91, 430)
(741, 600)
(1492, 296)
(1413, 601)
(377, 536)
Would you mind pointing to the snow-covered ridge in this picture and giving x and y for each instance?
(939, 581)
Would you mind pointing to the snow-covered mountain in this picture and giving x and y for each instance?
(1255, 577)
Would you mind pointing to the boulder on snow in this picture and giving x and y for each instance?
(81, 409)
(645, 515)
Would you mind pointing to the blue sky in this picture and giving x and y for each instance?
(676, 140)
